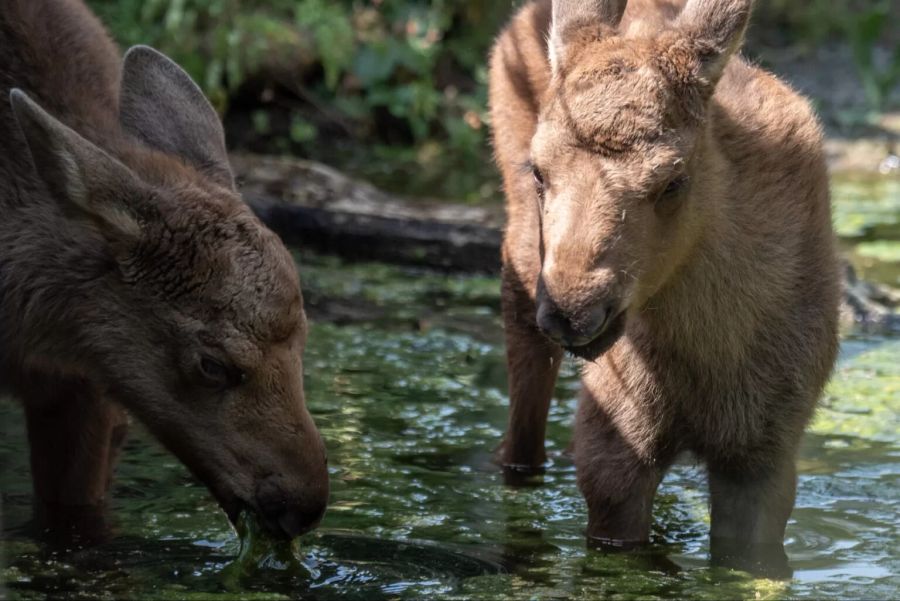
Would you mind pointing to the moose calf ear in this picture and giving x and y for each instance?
(716, 28)
(569, 14)
(161, 106)
(77, 173)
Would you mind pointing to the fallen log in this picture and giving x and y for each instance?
(316, 207)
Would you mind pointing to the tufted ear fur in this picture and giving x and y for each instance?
(81, 177)
(568, 14)
(161, 106)
(716, 30)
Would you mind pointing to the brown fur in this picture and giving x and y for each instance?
(132, 274)
(706, 309)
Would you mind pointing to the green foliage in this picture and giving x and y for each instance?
(333, 34)
(219, 42)
(809, 22)
(864, 30)
(394, 74)
(863, 24)
(395, 91)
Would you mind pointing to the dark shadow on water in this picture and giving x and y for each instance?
(760, 560)
(331, 564)
(521, 476)
(643, 556)
(529, 554)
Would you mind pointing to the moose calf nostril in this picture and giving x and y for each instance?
(577, 331)
(550, 323)
(289, 509)
(598, 320)
(300, 520)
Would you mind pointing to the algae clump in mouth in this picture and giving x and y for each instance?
(261, 552)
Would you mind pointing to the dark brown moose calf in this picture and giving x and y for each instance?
(132, 275)
(669, 223)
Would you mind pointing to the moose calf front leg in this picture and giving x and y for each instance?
(750, 509)
(75, 437)
(533, 364)
(616, 477)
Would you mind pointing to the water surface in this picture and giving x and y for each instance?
(409, 392)
(867, 218)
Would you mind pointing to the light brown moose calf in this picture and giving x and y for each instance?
(132, 274)
(668, 222)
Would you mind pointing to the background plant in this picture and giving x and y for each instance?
(864, 30)
(395, 90)
(362, 83)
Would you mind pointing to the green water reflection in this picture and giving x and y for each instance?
(409, 394)
(867, 218)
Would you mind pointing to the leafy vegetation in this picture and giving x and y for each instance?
(395, 90)
(863, 24)
(360, 82)
(864, 30)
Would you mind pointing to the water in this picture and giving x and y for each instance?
(409, 392)
(867, 217)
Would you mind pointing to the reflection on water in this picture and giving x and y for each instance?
(867, 218)
(411, 403)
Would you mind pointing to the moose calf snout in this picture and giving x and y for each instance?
(286, 513)
(572, 330)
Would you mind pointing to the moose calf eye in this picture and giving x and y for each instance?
(538, 178)
(540, 186)
(217, 375)
(675, 186)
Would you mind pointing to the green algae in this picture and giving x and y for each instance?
(260, 551)
(863, 399)
(411, 405)
(866, 211)
(866, 206)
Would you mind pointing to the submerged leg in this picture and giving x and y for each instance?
(750, 510)
(75, 436)
(618, 473)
